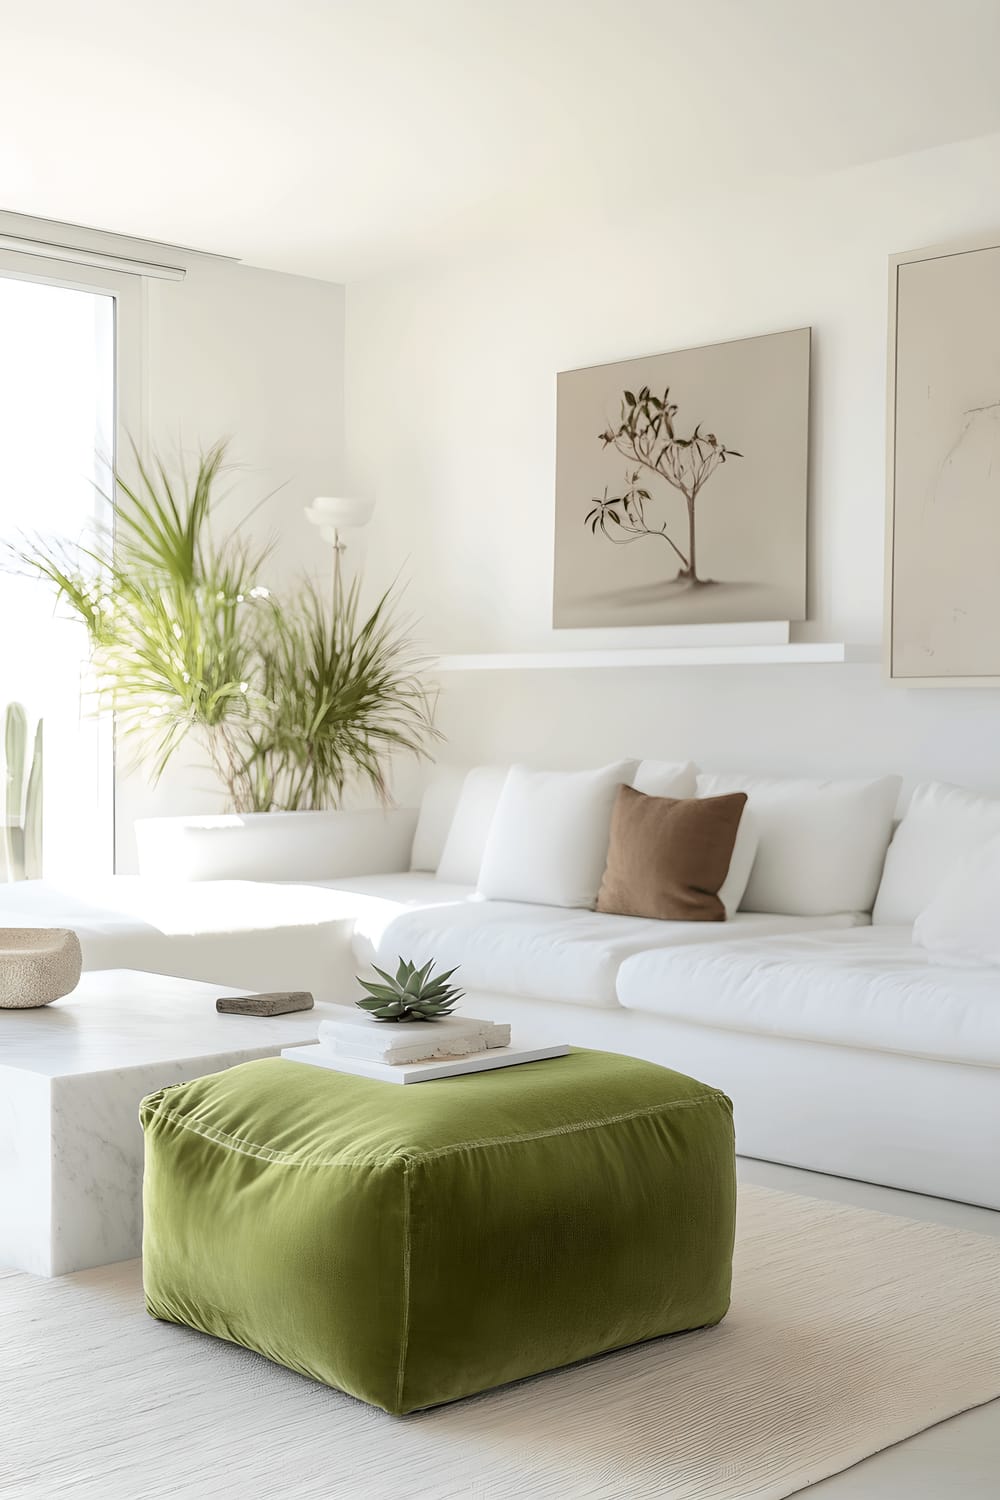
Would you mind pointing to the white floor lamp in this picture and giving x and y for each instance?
(334, 514)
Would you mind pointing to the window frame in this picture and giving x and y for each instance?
(130, 423)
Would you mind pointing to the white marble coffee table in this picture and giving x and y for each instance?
(71, 1077)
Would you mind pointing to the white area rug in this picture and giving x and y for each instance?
(849, 1331)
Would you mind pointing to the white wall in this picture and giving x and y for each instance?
(256, 356)
(450, 395)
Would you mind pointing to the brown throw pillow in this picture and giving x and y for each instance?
(668, 856)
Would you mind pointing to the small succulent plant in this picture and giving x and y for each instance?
(411, 994)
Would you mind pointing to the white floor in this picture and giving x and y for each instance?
(957, 1460)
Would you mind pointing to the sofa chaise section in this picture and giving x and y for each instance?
(211, 903)
(227, 932)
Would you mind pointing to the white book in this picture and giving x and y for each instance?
(424, 1072)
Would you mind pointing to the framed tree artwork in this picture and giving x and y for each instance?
(681, 486)
(943, 452)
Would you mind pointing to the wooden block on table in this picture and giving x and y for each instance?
(275, 1003)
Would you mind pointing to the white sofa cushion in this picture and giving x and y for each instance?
(821, 843)
(942, 825)
(462, 856)
(962, 923)
(548, 843)
(870, 988)
(437, 809)
(568, 956)
(741, 863)
(666, 778)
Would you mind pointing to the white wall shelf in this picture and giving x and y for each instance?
(662, 656)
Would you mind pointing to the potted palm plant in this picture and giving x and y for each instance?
(291, 700)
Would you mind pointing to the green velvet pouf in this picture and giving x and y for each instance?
(414, 1245)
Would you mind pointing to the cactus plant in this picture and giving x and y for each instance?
(33, 812)
(15, 739)
(22, 821)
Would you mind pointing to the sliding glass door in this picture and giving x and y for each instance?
(58, 362)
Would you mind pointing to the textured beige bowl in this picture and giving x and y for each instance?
(37, 965)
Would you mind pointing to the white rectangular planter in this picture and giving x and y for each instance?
(276, 846)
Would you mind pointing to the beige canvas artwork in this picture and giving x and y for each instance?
(681, 486)
(944, 466)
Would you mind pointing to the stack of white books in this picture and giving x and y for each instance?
(417, 1051)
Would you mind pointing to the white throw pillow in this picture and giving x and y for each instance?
(962, 923)
(437, 808)
(821, 843)
(462, 856)
(549, 841)
(741, 862)
(942, 825)
(664, 778)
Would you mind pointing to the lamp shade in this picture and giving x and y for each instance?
(337, 511)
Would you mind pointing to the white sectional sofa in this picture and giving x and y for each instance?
(846, 1045)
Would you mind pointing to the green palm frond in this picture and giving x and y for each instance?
(345, 690)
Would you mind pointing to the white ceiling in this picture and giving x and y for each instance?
(339, 138)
